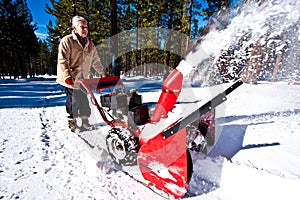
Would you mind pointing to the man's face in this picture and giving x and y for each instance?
(81, 29)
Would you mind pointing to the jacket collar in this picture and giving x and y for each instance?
(76, 38)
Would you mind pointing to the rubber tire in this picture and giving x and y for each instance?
(206, 134)
(128, 146)
(189, 165)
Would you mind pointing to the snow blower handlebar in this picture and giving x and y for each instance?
(220, 98)
(99, 84)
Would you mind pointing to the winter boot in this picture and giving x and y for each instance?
(85, 124)
(72, 124)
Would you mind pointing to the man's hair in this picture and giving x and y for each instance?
(76, 19)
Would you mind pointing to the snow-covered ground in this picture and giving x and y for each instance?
(256, 156)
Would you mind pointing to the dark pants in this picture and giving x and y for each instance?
(77, 104)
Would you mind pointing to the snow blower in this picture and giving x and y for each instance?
(162, 155)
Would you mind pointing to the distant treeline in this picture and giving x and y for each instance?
(23, 54)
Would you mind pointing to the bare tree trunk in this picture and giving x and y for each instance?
(189, 25)
(178, 58)
(278, 61)
(168, 42)
(252, 70)
(276, 67)
(114, 32)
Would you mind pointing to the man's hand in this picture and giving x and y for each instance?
(69, 81)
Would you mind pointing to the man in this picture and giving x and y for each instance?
(76, 56)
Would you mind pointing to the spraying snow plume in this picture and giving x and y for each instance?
(261, 40)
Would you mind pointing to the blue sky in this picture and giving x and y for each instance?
(37, 8)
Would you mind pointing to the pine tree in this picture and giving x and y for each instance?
(108, 18)
(18, 40)
(214, 6)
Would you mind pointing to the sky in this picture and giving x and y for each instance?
(40, 17)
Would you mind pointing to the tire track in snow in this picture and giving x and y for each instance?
(84, 172)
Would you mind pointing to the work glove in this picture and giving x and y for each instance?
(69, 81)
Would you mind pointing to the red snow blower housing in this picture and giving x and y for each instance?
(136, 138)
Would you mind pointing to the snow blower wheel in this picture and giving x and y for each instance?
(122, 146)
(198, 138)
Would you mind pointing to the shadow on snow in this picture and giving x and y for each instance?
(208, 169)
(32, 92)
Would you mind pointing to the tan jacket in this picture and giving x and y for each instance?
(75, 61)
